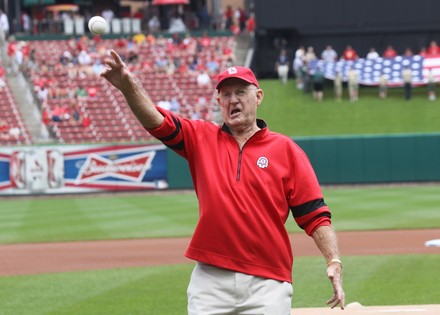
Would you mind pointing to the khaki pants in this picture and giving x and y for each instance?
(214, 291)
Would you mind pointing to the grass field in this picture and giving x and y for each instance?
(151, 215)
(371, 280)
(293, 113)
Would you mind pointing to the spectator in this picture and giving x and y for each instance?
(175, 105)
(407, 82)
(298, 63)
(81, 92)
(74, 113)
(108, 14)
(251, 25)
(390, 52)
(229, 15)
(310, 55)
(177, 25)
(98, 67)
(433, 49)
(203, 79)
(318, 84)
(26, 22)
(353, 84)
(337, 85)
(66, 57)
(165, 103)
(86, 121)
(4, 23)
(154, 24)
(282, 66)
(431, 86)
(2, 83)
(46, 116)
(57, 114)
(161, 63)
(408, 52)
(84, 58)
(15, 132)
(329, 54)
(372, 54)
(349, 53)
(42, 94)
(212, 65)
(383, 86)
(4, 129)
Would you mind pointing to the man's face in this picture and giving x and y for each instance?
(238, 101)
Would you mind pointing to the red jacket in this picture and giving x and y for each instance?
(245, 197)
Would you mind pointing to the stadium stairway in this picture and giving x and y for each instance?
(244, 49)
(28, 108)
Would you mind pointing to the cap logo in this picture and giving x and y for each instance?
(232, 70)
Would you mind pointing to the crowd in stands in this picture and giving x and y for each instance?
(312, 80)
(174, 19)
(65, 74)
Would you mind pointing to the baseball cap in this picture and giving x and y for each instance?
(238, 72)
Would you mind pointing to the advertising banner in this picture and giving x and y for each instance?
(82, 168)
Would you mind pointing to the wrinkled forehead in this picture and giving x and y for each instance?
(233, 83)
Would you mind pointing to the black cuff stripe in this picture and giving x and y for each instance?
(308, 207)
(175, 133)
(322, 214)
(178, 146)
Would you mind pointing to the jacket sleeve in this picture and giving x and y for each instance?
(306, 200)
(170, 132)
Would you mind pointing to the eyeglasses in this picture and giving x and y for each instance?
(239, 93)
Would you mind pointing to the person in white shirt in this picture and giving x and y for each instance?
(4, 23)
(372, 54)
(329, 54)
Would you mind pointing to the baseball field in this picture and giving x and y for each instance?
(124, 253)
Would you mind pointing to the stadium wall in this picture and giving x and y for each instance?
(362, 24)
(354, 160)
(96, 168)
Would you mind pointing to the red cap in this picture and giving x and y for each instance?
(238, 72)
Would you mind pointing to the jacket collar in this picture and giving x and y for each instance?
(260, 123)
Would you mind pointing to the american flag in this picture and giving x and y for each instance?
(370, 70)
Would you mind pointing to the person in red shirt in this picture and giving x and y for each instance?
(389, 52)
(247, 179)
(250, 24)
(433, 49)
(349, 54)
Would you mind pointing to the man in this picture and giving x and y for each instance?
(329, 54)
(4, 23)
(282, 66)
(247, 179)
(407, 82)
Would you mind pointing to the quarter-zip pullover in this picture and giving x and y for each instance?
(245, 196)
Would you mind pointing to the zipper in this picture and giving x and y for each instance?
(239, 165)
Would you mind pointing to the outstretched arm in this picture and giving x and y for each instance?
(118, 74)
(325, 239)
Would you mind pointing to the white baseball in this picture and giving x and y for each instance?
(97, 25)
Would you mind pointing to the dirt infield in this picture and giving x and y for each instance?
(19, 259)
(371, 310)
(22, 259)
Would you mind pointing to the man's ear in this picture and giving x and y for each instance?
(260, 96)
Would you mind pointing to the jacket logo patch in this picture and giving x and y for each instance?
(263, 162)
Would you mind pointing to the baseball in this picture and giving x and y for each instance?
(97, 25)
